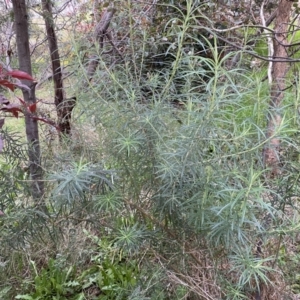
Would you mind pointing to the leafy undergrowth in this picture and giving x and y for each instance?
(108, 275)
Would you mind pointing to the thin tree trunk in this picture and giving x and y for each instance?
(100, 33)
(279, 71)
(63, 108)
(32, 133)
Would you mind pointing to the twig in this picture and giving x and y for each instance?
(270, 41)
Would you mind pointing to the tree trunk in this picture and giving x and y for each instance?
(279, 71)
(63, 108)
(100, 33)
(32, 133)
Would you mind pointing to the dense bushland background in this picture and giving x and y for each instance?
(161, 191)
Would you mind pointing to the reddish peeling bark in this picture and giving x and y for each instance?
(63, 108)
(279, 71)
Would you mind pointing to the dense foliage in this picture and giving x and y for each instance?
(161, 192)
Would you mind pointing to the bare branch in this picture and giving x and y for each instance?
(269, 42)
